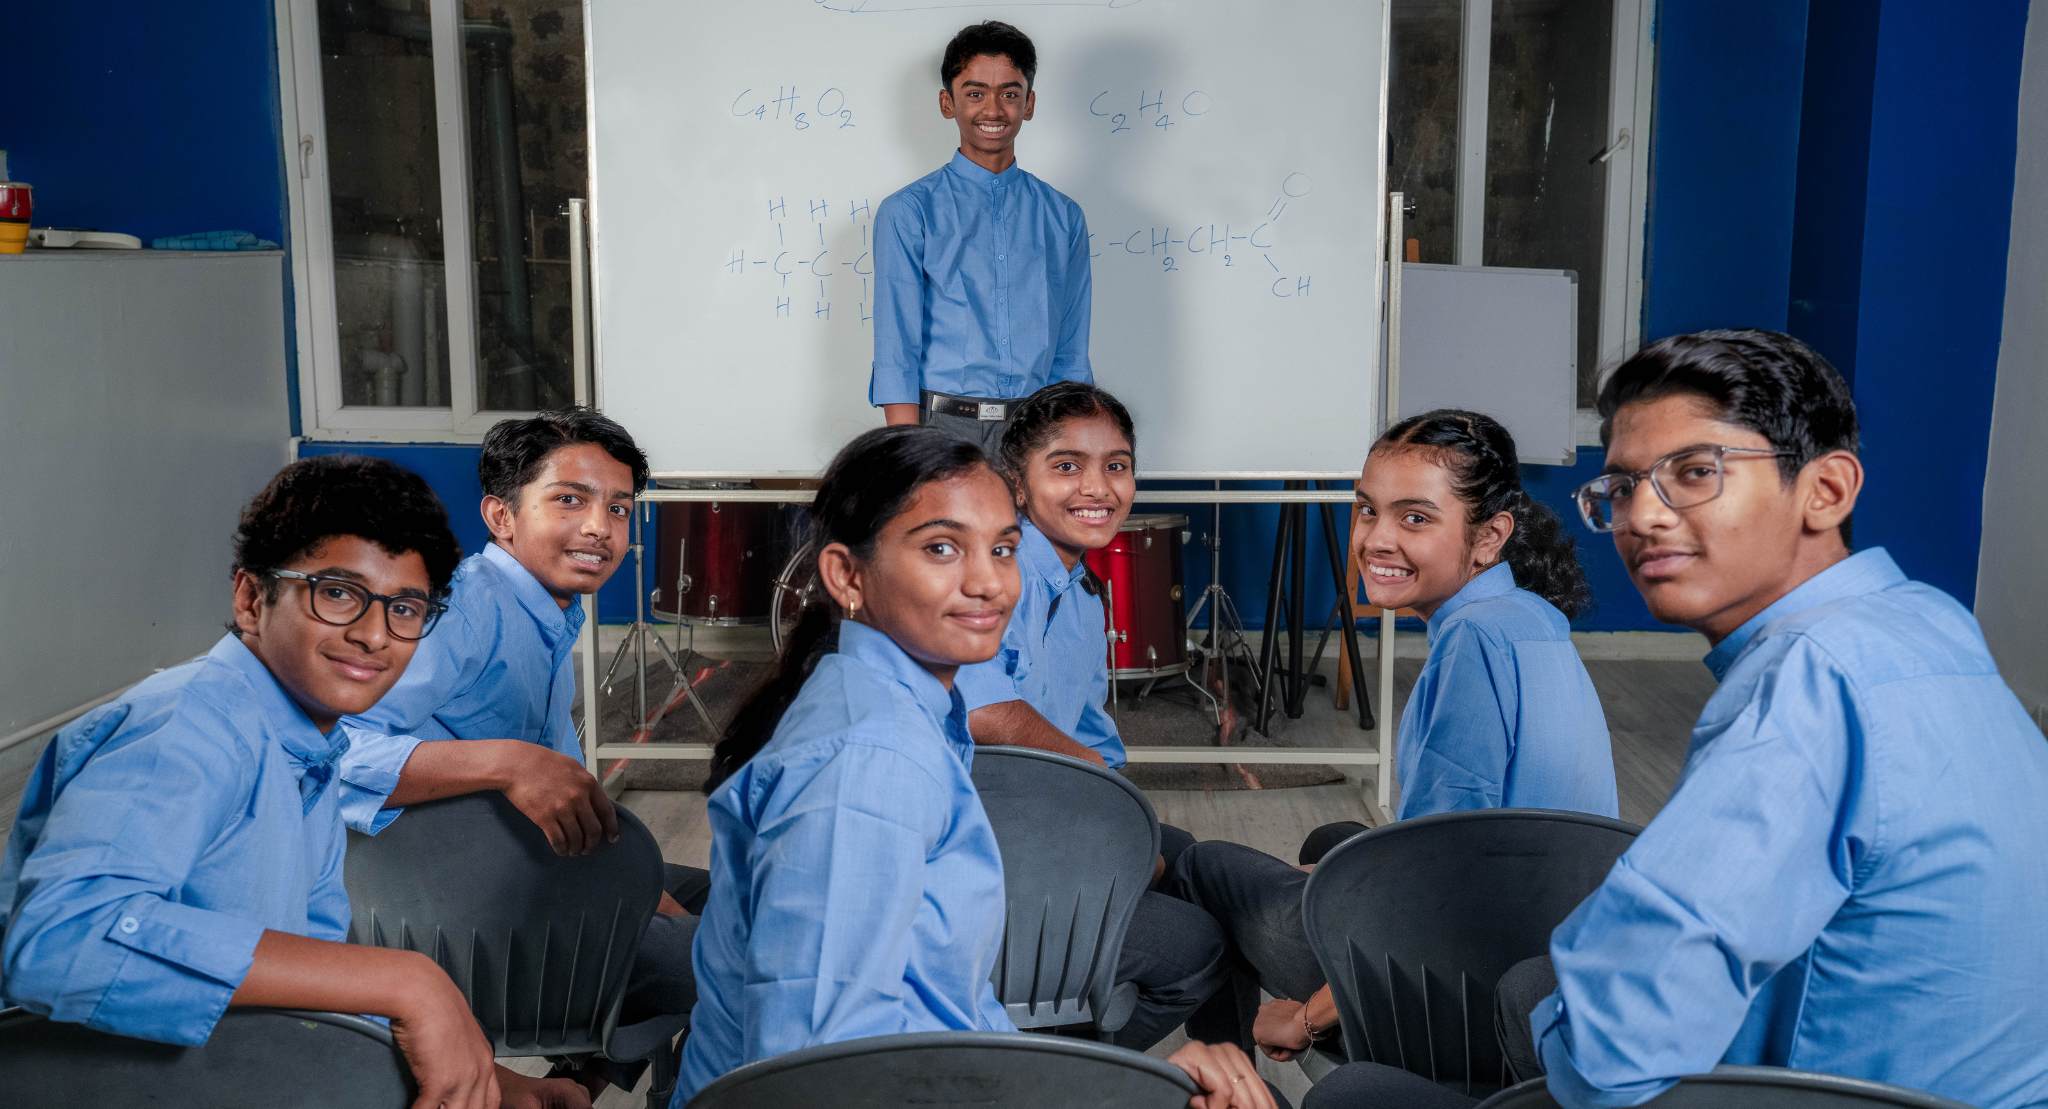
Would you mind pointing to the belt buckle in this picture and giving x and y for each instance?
(989, 411)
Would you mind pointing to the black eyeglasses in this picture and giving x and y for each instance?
(341, 602)
(1682, 479)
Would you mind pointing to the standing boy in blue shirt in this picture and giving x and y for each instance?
(486, 704)
(1850, 876)
(981, 269)
(179, 850)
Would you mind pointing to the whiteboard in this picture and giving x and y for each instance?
(1496, 340)
(1228, 156)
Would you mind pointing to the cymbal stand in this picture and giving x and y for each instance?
(638, 635)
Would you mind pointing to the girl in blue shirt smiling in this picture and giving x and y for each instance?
(857, 889)
(1502, 715)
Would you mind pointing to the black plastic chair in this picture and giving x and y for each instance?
(986, 1070)
(255, 1059)
(1415, 922)
(539, 943)
(1750, 1088)
(1078, 844)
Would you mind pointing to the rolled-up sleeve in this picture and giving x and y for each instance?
(381, 740)
(838, 877)
(1733, 881)
(1070, 354)
(898, 366)
(95, 936)
(988, 683)
(1463, 735)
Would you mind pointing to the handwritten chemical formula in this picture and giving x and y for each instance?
(1248, 244)
(819, 253)
(1152, 111)
(827, 111)
(814, 260)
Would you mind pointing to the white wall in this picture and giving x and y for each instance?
(2010, 601)
(142, 403)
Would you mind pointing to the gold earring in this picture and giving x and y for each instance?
(853, 609)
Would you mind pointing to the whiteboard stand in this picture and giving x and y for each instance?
(1381, 801)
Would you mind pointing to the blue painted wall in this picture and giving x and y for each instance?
(153, 119)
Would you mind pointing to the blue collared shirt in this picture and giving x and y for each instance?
(1055, 654)
(1503, 714)
(1849, 879)
(856, 889)
(497, 666)
(981, 286)
(160, 835)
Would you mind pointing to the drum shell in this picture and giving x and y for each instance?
(1143, 603)
(730, 552)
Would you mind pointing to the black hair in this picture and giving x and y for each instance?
(1766, 381)
(1480, 454)
(869, 483)
(315, 499)
(992, 37)
(514, 450)
(1038, 418)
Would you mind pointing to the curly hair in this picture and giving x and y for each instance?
(1480, 454)
(314, 499)
(514, 450)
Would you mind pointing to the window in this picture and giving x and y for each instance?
(1513, 130)
(432, 131)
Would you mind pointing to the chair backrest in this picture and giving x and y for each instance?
(539, 943)
(1415, 922)
(1751, 1088)
(255, 1059)
(986, 1070)
(1078, 844)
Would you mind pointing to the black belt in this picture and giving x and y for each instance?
(946, 404)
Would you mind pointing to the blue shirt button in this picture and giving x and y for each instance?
(129, 925)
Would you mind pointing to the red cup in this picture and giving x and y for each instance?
(14, 202)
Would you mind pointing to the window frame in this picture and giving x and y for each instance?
(322, 415)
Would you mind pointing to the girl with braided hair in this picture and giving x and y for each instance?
(1503, 714)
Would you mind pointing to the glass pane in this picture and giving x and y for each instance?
(527, 156)
(1422, 121)
(384, 184)
(1546, 121)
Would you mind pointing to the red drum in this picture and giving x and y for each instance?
(715, 562)
(1140, 572)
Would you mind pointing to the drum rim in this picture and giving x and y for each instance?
(1158, 520)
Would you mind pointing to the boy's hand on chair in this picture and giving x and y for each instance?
(1278, 1030)
(521, 1092)
(564, 800)
(449, 1057)
(1225, 1075)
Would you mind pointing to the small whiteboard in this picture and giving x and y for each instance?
(1495, 340)
(1229, 158)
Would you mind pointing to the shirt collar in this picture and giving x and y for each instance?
(1040, 557)
(554, 620)
(858, 641)
(974, 174)
(1494, 581)
(1860, 573)
(287, 722)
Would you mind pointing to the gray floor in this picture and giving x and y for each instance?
(1650, 709)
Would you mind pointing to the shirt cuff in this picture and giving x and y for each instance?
(987, 683)
(368, 775)
(193, 960)
(1551, 1031)
(893, 385)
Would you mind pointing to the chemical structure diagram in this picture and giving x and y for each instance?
(814, 268)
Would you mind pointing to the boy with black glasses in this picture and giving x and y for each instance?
(1850, 876)
(179, 850)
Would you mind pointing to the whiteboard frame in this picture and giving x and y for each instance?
(595, 283)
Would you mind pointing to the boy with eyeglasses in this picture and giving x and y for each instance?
(1850, 876)
(487, 702)
(179, 850)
